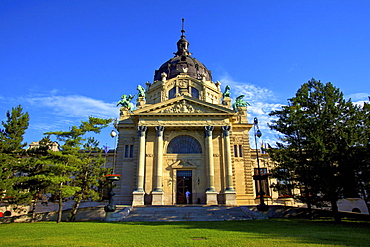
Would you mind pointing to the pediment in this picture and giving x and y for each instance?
(184, 105)
(182, 164)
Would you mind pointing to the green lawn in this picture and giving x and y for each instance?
(261, 233)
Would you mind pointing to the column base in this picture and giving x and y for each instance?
(138, 198)
(211, 198)
(230, 198)
(157, 198)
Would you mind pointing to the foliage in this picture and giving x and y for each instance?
(78, 169)
(11, 152)
(14, 129)
(320, 143)
(363, 155)
(74, 171)
(272, 232)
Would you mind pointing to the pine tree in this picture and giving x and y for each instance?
(89, 176)
(11, 152)
(319, 130)
(363, 152)
(39, 176)
(79, 171)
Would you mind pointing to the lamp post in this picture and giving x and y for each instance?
(112, 178)
(113, 134)
(262, 206)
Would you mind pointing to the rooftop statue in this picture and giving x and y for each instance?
(141, 91)
(239, 102)
(226, 92)
(125, 102)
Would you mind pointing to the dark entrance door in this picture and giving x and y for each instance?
(184, 183)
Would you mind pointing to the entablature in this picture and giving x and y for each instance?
(183, 122)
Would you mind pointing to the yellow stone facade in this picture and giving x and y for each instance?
(185, 135)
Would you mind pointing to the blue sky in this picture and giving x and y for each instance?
(66, 60)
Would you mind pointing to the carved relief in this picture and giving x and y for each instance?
(181, 107)
(183, 83)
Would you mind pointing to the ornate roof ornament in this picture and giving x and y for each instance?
(239, 102)
(182, 44)
(183, 63)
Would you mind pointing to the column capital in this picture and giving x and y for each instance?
(209, 130)
(226, 130)
(159, 130)
(141, 130)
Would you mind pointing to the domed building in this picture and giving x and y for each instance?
(185, 136)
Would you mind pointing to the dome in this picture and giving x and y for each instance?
(183, 63)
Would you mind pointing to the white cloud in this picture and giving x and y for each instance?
(359, 96)
(254, 94)
(262, 102)
(251, 92)
(52, 112)
(42, 125)
(74, 106)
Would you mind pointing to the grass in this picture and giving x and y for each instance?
(273, 232)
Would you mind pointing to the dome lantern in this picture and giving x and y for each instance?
(183, 63)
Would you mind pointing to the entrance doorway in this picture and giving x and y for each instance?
(184, 183)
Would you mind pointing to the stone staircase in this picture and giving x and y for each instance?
(184, 213)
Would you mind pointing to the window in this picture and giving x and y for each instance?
(184, 145)
(129, 151)
(238, 151)
(264, 182)
(183, 173)
(194, 92)
(172, 93)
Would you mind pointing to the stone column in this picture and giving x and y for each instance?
(138, 194)
(230, 194)
(211, 194)
(157, 194)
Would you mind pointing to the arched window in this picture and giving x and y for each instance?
(184, 145)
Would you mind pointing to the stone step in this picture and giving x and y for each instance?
(185, 213)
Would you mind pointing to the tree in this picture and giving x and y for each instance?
(78, 170)
(291, 160)
(39, 176)
(89, 176)
(11, 152)
(363, 153)
(319, 139)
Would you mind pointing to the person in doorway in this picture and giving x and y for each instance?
(187, 195)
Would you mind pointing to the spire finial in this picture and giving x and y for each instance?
(182, 44)
(183, 30)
